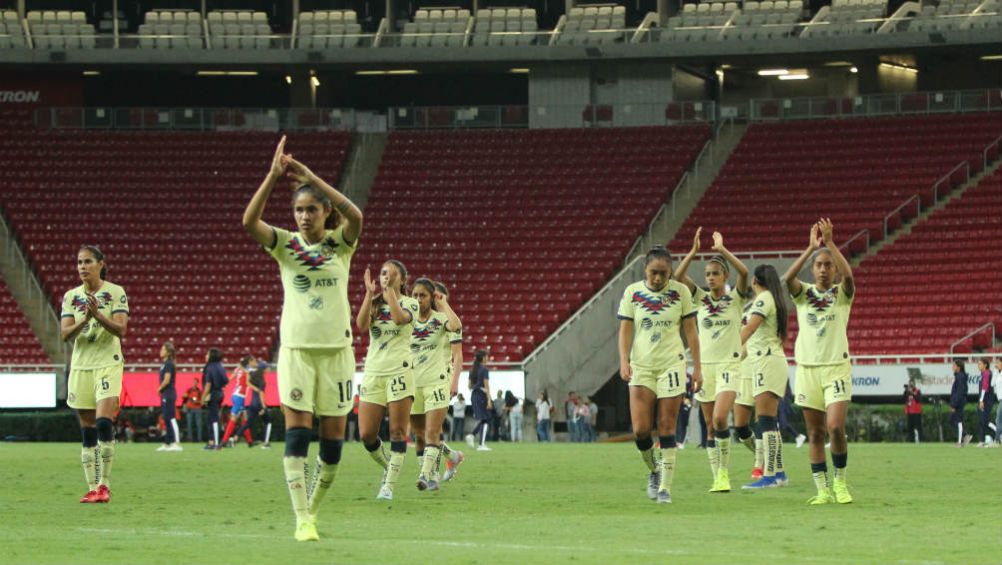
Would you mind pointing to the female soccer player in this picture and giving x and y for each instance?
(316, 362)
(214, 380)
(763, 337)
(388, 384)
(652, 360)
(95, 316)
(429, 347)
(824, 370)
(454, 356)
(238, 399)
(168, 398)
(720, 346)
(480, 397)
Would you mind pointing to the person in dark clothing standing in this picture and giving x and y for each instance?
(481, 400)
(214, 380)
(913, 410)
(258, 408)
(168, 399)
(958, 399)
(986, 400)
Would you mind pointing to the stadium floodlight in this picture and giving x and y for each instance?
(773, 72)
(288, 79)
(795, 76)
(91, 73)
(519, 71)
(853, 70)
(390, 72)
(226, 73)
(315, 80)
(991, 57)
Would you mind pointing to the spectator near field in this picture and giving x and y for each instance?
(214, 380)
(192, 402)
(958, 399)
(499, 416)
(997, 385)
(594, 418)
(986, 400)
(913, 410)
(513, 406)
(571, 416)
(544, 411)
(583, 414)
(458, 417)
(168, 399)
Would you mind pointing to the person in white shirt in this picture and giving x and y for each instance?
(997, 385)
(458, 417)
(543, 411)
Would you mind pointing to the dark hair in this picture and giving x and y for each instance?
(765, 275)
(440, 286)
(215, 355)
(478, 361)
(378, 300)
(171, 352)
(335, 218)
(720, 260)
(959, 363)
(823, 250)
(245, 360)
(658, 252)
(98, 256)
(428, 285)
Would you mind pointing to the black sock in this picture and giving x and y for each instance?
(105, 431)
(667, 442)
(330, 450)
(398, 446)
(297, 442)
(839, 460)
(89, 437)
(643, 444)
(723, 434)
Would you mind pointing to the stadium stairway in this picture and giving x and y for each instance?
(361, 165)
(26, 291)
(582, 353)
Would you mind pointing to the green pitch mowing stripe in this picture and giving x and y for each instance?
(531, 503)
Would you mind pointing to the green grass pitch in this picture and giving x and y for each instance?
(530, 503)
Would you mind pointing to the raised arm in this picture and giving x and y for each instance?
(828, 236)
(68, 328)
(351, 213)
(397, 312)
(255, 226)
(454, 324)
(742, 270)
(682, 271)
(365, 310)
(625, 344)
(692, 339)
(792, 282)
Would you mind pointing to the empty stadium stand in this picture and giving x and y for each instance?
(11, 32)
(589, 25)
(166, 209)
(18, 344)
(523, 225)
(437, 27)
(783, 176)
(511, 26)
(166, 29)
(324, 29)
(60, 30)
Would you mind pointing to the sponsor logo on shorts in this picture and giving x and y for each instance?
(296, 394)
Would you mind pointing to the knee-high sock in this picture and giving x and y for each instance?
(378, 453)
(248, 437)
(215, 432)
(646, 447)
(297, 445)
(780, 468)
(960, 432)
(398, 450)
(723, 449)
(267, 433)
(771, 440)
(713, 454)
(431, 455)
(106, 452)
(230, 426)
(668, 447)
(88, 458)
(177, 432)
(746, 437)
(839, 461)
(819, 471)
(483, 434)
(325, 471)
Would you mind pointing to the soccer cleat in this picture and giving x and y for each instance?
(664, 497)
(967, 439)
(763, 483)
(756, 473)
(174, 447)
(266, 446)
(433, 485)
(163, 447)
(801, 438)
(89, 497)
(306, 531)
(653, 482)
(781, 479)
(469, 440)
(823, 497)
(422, 482)
(209, 447)
(384, 493)
(103, 494)
(722, 483)
(483, 448)
(451, 468)
(253, 444)
(841, 491)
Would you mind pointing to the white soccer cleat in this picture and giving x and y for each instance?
(801, 438)
(385, 493)
(653, 482)
(163, 447)
(174, 447)
(483, 448)
(469, 440)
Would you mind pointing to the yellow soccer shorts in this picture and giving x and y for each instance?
(769, 374)
(745, 396)
(665, 384)
(717, 378)
(431, 397)
(820, 386)
(86, 387)
(317, 380)
(387, 388)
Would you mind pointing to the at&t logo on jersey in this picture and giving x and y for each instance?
(301, 283)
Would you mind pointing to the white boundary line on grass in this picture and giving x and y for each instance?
(473, 545)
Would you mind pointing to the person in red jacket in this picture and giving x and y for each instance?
(913, 410)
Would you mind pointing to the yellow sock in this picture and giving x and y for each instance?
(667, 468)
(323, 479)
(106, 451)
(88, 459)
(295, 479)
(431, 454)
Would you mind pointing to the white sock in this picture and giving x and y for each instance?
(215, 432)
(267, 433)
(295, 478)
(106, 452)
(323, 478)
(483, 436)
(88, 458)
(667, 468)
(177, 432)
(393, 471)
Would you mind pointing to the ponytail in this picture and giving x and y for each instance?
(766, 276)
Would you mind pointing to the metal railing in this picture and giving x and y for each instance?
(864, 233)
(985, 155)
(981, 329)
(199, 119)
(944, 102)
(894, 213)
(555, 115)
